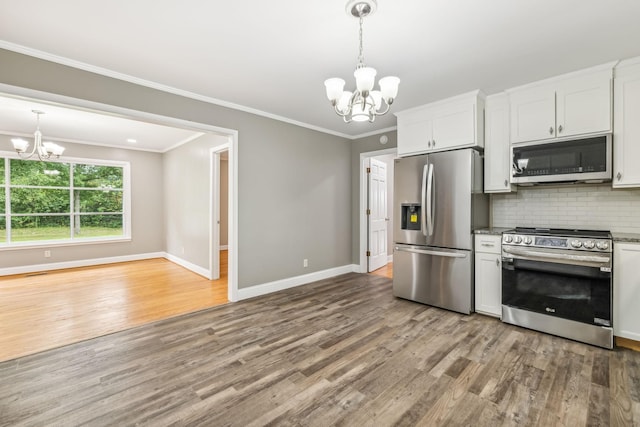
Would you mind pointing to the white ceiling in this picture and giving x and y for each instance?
(274, 56)
(73, 125)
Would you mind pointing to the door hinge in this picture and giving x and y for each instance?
(368, 211)
(368, 253)
(368, 170)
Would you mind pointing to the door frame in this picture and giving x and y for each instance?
(363, 202)
(214, 208)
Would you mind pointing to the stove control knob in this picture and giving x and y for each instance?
(508, 238)
(589, 244)
(527, 240)
(517, 239)
(602, 245)
(576, 243)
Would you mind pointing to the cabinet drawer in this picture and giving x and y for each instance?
(488, 243)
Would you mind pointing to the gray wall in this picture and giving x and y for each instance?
(187, 186)
(358, 146)
(293, 189)
(146, 210)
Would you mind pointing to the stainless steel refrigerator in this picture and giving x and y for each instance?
(439, 202)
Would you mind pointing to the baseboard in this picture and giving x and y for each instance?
(206, 273)
(390, 258)
(80, 263)
(291, 282)
(224, 248)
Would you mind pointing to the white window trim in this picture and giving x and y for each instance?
(126, 206)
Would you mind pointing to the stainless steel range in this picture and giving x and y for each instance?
(559, 282)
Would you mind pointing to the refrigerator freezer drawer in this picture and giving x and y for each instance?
(434, 276)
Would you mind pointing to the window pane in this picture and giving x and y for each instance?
(3, 229)
(93, 176)
(97, 225)
(27, 228)
(32, 172)
(2, 199)
(39, 200)
(97, 201)
(1, 170)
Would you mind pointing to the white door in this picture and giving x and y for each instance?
(377, 214)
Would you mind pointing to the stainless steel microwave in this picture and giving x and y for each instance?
(577, 160)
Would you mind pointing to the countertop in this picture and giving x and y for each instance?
(625, 237)
(496, 231)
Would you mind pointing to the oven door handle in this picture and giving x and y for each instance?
(601, 259)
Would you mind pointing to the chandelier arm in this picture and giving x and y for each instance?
(385, 111)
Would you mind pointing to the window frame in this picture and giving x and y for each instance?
(126, 204)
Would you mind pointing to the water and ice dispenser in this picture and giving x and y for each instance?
(411, 216)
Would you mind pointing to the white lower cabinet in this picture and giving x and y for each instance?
(488, 274)
(626, 290)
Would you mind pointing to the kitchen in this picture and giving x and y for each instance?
(383, 356)
(559, 159)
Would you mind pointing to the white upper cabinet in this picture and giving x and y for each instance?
(566, 106)
(497, 162)
(452, 123)
(533, 114)
(626, 132)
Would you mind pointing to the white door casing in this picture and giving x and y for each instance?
(377, 218)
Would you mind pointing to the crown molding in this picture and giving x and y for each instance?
(161, 87)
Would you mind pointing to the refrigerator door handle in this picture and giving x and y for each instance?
(431, 199)
(423, 219)
(430, 252)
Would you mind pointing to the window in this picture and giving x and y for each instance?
(61, 201)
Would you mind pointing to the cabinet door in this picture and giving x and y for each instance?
(414, 133)
(533, 114)
(626, 290)
(488, 284)
(583, 105)
(497, 156)
(454, 126)
(626, 132)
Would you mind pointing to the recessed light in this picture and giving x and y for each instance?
(131, 140)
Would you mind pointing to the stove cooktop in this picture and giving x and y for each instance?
(594, 234)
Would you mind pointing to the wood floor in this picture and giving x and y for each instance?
(385, 271)
(342, 351)
(44, 311)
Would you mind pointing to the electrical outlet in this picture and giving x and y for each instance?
(47, 254)
(305, 263)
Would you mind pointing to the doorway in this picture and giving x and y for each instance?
(221, 185)
(376, 210)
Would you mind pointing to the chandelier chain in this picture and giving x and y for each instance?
(361, 54)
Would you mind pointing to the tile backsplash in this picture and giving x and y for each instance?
(595, 207)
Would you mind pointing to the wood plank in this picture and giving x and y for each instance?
(310, 356)
(52, 309)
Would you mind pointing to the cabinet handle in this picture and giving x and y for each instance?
(506, 183)
(429, 144)
(497, 262)
(619, 176)
(551, 130)
(489, 245)
(434, 142)
(560, 129)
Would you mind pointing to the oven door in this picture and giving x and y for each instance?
(575, 287)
